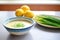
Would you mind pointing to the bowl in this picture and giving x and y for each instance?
(18, 31)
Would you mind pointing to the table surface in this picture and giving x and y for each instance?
(36, 33)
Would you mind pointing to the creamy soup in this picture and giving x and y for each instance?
(18, 24)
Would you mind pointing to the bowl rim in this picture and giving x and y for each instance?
(17, 17)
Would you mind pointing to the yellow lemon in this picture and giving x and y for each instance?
(25, 7)
(29, 14)
(19, 12)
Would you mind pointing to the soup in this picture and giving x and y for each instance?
(18, 24)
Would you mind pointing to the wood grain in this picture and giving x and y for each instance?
(38, 7)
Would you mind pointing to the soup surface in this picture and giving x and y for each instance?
(18, 24)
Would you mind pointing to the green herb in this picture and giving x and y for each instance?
(19, 25)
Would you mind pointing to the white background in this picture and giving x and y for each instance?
(29, 1)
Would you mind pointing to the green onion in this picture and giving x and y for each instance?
(19, 25)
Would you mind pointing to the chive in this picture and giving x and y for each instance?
(19, 25)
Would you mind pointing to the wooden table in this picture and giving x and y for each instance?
(36, 33)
